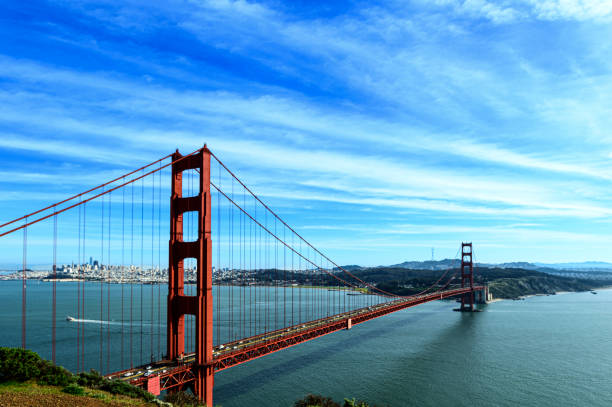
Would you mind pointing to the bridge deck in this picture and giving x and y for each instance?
(177, 373)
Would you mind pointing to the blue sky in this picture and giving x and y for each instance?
(379, 130)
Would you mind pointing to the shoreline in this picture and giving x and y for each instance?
(523, 297)
(361, 291)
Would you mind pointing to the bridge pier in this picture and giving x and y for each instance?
(200, 305)
(483, 296)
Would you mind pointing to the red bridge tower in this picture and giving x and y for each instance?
(467, 277)
(200, 305)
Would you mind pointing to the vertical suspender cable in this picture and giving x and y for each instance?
(231, 338)
(141, 265)
(229, 293)
(275, 278)
(132, 283)
(292, 280)
(256, 255)
(53, 312)
(108, 283)
(100, 266)
(243, 264)
(159, 265)
(285, 278)
(218, 258)
(122, 268)
(240, 292)
(108, 276)
(251, 305)
(267, 266)
(23, 285)
(152, 300)
(313, 291)
(83, 289)
(79, 265)
(301, 277)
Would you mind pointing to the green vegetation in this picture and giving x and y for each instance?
(509, 283)
(29, 393)
(20, 365)
(183, 399)
(503, 282)
(315, 400)
(75, 389)
(94, 380)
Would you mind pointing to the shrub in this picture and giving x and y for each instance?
(74, 389)
(22, 365)
(95, 380)
(182, 399)
(315, 400)
(353, 403)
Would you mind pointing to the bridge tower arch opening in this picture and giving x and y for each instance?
(201, 304)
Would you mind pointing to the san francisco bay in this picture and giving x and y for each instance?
(544, 350)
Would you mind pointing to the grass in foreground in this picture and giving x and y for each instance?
(29, 393)
(24, 374)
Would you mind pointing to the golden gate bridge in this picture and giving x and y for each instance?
(238, 283)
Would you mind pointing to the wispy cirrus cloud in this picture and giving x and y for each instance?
(448, 112)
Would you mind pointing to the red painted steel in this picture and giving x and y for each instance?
(177, 375)
(467, 277)
(153, 385)
(200, 305)
(84, 201)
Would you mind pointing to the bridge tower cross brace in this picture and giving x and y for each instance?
(201, 304)
(467, 277)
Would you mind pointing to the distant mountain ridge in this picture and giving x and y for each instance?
(583, 266)
(444, 264)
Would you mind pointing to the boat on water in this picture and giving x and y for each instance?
(69, 318)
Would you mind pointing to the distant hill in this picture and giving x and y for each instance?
(582, 266)
(349, 267)
(587, 266)
(426, 265)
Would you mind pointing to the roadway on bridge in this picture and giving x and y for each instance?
(164, 368)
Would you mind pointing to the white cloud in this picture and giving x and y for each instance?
(379, 109)
(506, 11)
(580, 10)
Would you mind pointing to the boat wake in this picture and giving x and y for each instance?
(102, 322)
(93, 321)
